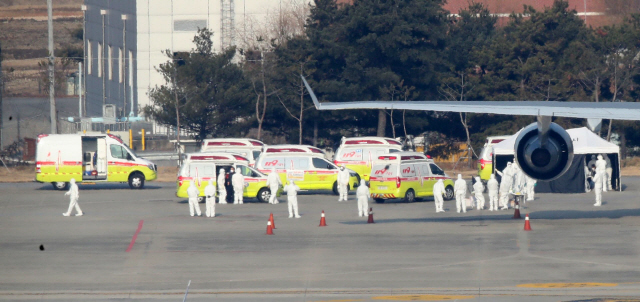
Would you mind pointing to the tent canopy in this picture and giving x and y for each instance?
(584, 142)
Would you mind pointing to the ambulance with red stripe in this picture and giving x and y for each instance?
(247, 147)
(485, 164)
(406, 175)
(95, 158)
(306, 165)
(204, 166)
(359, 153)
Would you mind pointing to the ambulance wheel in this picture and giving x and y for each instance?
(378, 200)
(60, 185)
(264, 194)
(335, 188)
(448, 193)
(200, 199)
(136, 180)
(410, 196)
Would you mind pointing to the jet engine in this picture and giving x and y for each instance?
(544, 150)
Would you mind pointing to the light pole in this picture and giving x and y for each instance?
(103, 12)
(84, 60)
(123, 68)
(52, 98)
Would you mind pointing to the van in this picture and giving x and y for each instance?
(204, 166)
(406, 175)
(95, 158)
(247, 147)
(309, 169)
(485, 164)
(358, 153)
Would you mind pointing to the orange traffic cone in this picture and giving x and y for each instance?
(323, 222)
(516, 213)
(370, 216)
(269, 228)
(273, 223)
(527, 225)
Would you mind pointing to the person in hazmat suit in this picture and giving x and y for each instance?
(210, 195)
(274, 183)
(292, 199)
(193, 193)
(601, 167)
(362, 193)
(493, 187)
(460, 187)
(237, 181)
(530, 188)
(519, 179)
(73, 199)
(438, 193)
(599, 180)
(609, 171)
(478, 189)
(343, 183)
(505, 185)
(222, 190)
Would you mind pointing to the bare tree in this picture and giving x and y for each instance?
(457, 91)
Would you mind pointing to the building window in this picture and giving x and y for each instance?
(189, 25)
(100, 60)
(89, 57)
(120, 66)
(110, 62)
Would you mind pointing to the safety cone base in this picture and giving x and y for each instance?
(370, 220)
(269, 228)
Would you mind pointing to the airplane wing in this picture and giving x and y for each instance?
(601, 110)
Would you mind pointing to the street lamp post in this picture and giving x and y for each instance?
(84, 60)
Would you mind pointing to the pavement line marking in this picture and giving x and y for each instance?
(135, 236)
(347, 300)
(567, 285)
(423, 297)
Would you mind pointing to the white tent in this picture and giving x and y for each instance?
(585, 143)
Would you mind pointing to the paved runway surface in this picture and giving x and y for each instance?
(576, 252)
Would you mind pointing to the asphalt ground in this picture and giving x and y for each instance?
(142, 245)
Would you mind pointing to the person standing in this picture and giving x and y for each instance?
(73, 198)
(478, 190)
(343, 183)
(237, 181)
(438, 192)
(505, 185)
(274, 183)
(292, 199)
(228, 185)
(363, 194)
(601, 167)
(210, 195)
(460, 186)
(609, 171)
(222, 190)
(493, 187)
(598, 187)
(193, 193)
(530, 188)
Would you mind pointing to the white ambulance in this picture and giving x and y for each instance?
(358, 153)
(247, 147)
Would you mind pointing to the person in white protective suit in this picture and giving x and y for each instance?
(460, 187)
(599, 179)
(362, 193)
(343, 183)
(609, 171)
(193, 193)
(438, 192)
(222, 191)
(478, 189)
(274, 183)
(519, 179)
(73, 199)
(493, 187)
(530, 188)
(210, 195)
(505, 185)
(601, 167)
(292, 199)
(237, 180)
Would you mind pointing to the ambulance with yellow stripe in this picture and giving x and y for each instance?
(94, 158)
(306, 165)
(247, 147)
(485, 163)
(359, 153)
(406, 175)
(204, 166)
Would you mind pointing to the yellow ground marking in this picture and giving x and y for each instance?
(348, 300)
(422, 298)
(567, 285)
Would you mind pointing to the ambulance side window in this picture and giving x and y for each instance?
(408, 170)
(209, 171)
(320, 163)
(425, 170)
(436, 170)
(118, 152)
(245, 171)
(394, 150)
(298, 163)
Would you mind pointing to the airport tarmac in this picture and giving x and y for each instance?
(142, 245)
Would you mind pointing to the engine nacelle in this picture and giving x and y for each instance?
(544, 157)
